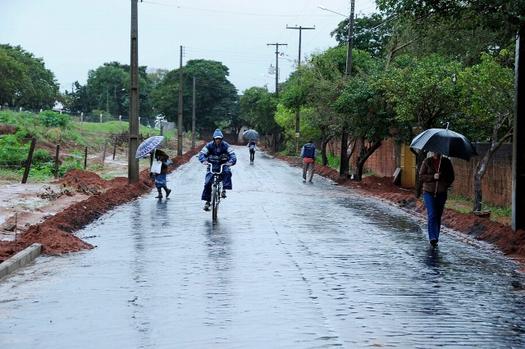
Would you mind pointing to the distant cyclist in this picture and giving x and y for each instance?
(215, 153)
(308, 155)
(251, 147)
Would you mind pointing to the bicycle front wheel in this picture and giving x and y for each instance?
(214, 203)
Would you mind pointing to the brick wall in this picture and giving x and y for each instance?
(496, 184)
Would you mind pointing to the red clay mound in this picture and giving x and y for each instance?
(55, 234)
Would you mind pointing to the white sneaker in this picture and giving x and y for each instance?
(207, 206)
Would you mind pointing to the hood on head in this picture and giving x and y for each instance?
(218, 134)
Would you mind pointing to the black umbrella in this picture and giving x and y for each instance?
(444, 141)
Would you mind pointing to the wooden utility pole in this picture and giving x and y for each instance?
(298, 112)
(518, 144)
(193, 118)
(277, 66)
(343, 168)
(133, 164)
(179, 120)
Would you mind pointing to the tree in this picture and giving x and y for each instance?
(487, 95)
(370, 117)
(258, 107)
(216, 96)
(25, 80)
(371, 33)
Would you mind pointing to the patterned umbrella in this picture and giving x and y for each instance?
(250, 134)
(148, 146)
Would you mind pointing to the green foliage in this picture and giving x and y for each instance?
(371, 33)
(12, 152)
(41, 156)
(216, 97)
(51, 118)
(422, 91)
(258, 107)
(25, 81)
(70, 163)
(486, 99)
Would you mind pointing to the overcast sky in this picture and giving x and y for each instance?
(74, 36)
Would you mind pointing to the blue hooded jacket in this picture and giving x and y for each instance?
(211, 149)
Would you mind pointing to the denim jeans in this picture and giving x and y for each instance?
(435, 206)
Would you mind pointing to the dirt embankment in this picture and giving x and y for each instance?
(56, 233)
(502, 236)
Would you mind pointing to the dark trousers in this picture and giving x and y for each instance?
(208, 181)
(435, 206)
(252, 155)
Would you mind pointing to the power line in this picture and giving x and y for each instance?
(228, 12)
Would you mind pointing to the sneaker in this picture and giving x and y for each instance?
(223, 194)
(158, 196)
(304, 180)
(433, 242)
(207, 206)
(168, 192)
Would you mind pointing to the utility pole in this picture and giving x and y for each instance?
(277, 66)
(343, 169)
(193, 117)
(518, 144)
(133, 163)
(298, 112)
(179, 121)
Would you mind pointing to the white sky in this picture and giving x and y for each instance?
(74, 36)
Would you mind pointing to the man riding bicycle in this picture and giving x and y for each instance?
(216, 153)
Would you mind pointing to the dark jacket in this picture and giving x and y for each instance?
(163, 157)
(427, 171)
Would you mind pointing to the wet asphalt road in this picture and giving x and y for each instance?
(289, 265)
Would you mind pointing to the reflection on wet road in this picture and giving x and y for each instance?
(289, 265)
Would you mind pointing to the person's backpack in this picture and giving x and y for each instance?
(309, 151)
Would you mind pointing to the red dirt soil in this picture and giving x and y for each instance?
(502, 236)
(56, 233)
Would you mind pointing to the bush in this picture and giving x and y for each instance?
(12, 152)
(70, 164)
(42, 156)
(50, 118)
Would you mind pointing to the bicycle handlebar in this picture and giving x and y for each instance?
(210, 168)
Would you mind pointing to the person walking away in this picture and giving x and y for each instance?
(436, 174)
(251, 147)
(308, 155)
(215, 153)
(160, 178)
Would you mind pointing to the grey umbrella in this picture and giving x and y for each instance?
(444, 141)
(250, 134)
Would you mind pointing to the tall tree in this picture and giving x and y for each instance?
(25, 80)
(216, 96)
(487, 95)
(258, 107)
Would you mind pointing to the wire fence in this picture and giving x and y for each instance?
(148, 121)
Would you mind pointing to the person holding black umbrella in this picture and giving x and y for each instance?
(436, 174)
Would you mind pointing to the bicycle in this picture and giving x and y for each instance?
(216, 190)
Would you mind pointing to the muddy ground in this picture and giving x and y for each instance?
(90, 197)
